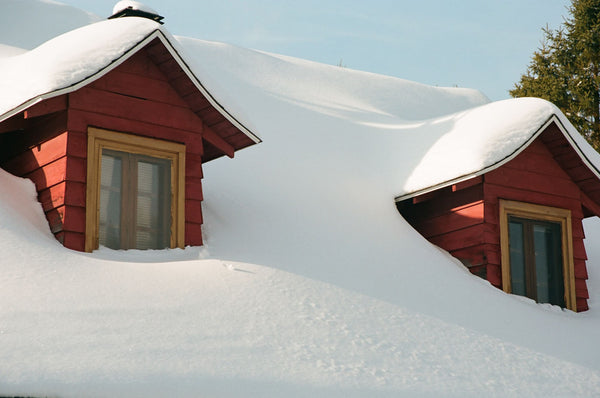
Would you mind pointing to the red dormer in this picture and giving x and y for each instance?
(117, 157)
(518, 224)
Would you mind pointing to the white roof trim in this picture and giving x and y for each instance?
(115, 63)
(552, 119)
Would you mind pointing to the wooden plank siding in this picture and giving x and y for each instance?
(137, 98)
(453, 219)
(464, 218)
(534, 176)
(57, 168)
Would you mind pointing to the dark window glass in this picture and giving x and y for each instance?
(536, 260)
(517, 258)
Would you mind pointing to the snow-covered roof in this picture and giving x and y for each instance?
(440, 135)
(484, 138)
(443, 135)
(76, 58)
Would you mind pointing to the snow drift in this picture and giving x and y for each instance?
(310, 283)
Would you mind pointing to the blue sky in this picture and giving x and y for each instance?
(480, 44)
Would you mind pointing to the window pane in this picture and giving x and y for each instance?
(517, 257)
(153, 207)
(110, 201)
(540, 238)
(548, 263)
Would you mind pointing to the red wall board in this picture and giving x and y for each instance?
(494, 275)
(193, 165)
(50, 174)
(580, 269)
(79, 121)
(53, 196)
(466, 237)
(581, 288)
(76, 169)
(193, 188)
(38, 156)
(140, 64)
(577, 228)
(193, 234)
(493, 192)
(64, 193)
(125, 107)
(73, 240)
(582, 305)
(139, 86)
(55, 220)
(74, 219)
(455, 219)
(475, 255)
(193, 211)
(534, 182)
(579, 249)
(77, 144)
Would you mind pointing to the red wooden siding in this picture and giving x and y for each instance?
(534, 176)
(453, 218)
(57, 168)
(137, 98)
(464, 218)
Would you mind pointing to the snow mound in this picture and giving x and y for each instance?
(104, 327)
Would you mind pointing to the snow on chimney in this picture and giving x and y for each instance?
(129, 8)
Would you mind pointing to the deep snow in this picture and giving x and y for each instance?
(310, 283)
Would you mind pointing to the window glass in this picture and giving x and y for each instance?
(110, 200)
(153, 204)
(536, 248)
(517, 257)
(548, 263)
(536, 259)
(135, 205)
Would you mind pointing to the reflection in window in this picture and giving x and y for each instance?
(135, 201)
(536, 259)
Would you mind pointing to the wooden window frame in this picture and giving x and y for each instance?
(99, 139)
(542, 213)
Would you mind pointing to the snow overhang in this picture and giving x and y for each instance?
(156, 34)
(577, 143)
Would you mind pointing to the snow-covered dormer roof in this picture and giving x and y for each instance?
(486, 137)
(76, 58)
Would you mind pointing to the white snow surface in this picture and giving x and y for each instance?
(310, 282)
(70, 58)
(134, 5)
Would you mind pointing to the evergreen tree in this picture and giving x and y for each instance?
(566, 69)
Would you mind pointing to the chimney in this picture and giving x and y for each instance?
(128, 8)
